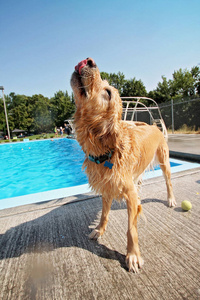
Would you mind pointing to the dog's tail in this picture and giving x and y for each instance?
(141, 213)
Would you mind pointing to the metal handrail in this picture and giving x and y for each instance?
(143, 109)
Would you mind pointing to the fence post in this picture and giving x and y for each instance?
(172, 109)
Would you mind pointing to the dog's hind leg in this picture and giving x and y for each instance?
(99, 230)
(163, 158)
(133, 258)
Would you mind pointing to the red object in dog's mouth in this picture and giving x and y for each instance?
(80, 65)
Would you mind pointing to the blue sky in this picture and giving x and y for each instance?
(42, 40)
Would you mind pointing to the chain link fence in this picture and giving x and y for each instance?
(177, 114)
(180, 114)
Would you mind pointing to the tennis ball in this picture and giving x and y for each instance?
(186, 205)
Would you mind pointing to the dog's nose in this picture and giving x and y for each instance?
(91, 63)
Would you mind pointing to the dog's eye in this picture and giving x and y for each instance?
(109, 93)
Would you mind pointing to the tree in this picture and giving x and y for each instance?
(19, 113)
(126, 88)
(134, 88)
(183, 83)
(162, 92)
(2, 116)
(116, 80)
(61, 107)
(42, 114)
(195, 71)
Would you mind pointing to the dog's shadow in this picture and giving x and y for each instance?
(64, 226)
(147, 200)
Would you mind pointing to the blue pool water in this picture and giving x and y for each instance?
(172, 164)
(31, 172)
(33, 167)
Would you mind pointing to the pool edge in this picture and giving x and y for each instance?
(82, 189)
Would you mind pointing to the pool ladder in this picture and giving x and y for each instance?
(141, 107)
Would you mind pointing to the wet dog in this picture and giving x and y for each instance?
(117, 152)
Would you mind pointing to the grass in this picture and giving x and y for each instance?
(34, 137)
(185, 130)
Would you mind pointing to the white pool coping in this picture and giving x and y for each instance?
(185, 165)
(82, 189)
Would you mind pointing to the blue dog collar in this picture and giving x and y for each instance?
(103, 158)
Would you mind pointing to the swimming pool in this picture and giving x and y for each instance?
(36, 171)
(39, 166)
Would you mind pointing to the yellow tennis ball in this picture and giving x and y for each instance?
(186, 205)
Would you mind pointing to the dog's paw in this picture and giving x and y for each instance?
(172, 202)
(95, 234)
(134, 262)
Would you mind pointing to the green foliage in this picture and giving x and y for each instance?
(37, 113)
(2, 116)
(195, 71)
(42, 114)
(162, 93)
(183, 84)
(17, 111)
(134, 88)
(116, 80)
(126, 88)
(62, 108)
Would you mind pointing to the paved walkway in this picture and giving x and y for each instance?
(186, 146)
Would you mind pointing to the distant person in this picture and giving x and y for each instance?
(55, 131)
(68, 128)
(61, 131)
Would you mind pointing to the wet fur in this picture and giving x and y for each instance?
(100, 129)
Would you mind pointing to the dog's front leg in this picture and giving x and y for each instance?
(133, 258)
(99, 230)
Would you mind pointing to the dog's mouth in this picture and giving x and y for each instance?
(80, 65)
(84, 74)
(84, 77)
(86, 62)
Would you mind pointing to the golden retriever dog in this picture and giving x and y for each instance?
(117, 152)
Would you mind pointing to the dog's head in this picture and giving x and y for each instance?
(94, 94)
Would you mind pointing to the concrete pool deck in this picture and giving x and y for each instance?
(185, 146)
(45, 252)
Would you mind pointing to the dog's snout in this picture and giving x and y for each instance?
(86, 62)
(91, 63)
